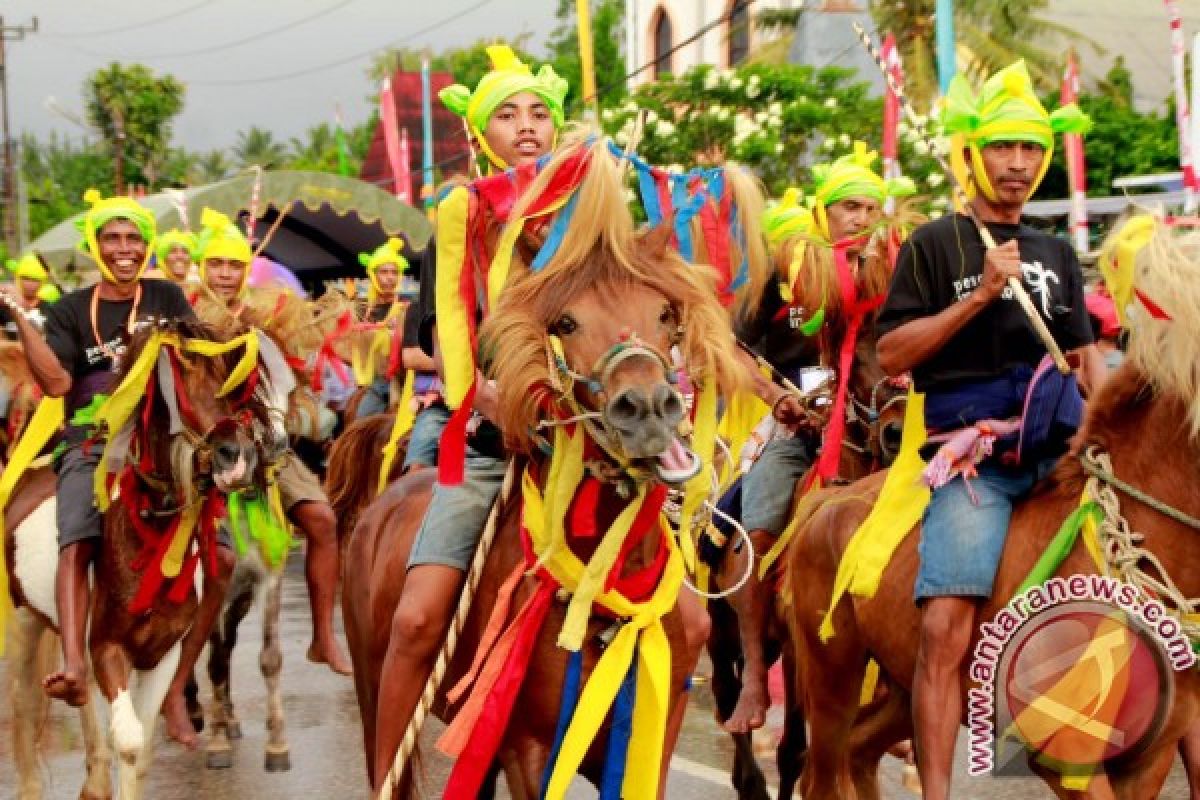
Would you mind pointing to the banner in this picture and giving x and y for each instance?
(1076, 169)
(426, 139)
(891, 115)
(1183, 119)
(391, 139)
(944, 27)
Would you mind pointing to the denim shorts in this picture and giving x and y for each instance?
(374, 399)
(454, 521)
(768, 487)
(425, 434)
(962, 537)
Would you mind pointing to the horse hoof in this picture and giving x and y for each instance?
(233, 730)
(219, 759)
(198, 722)
(278, 762)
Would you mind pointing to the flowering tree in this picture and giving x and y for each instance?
(777, 120)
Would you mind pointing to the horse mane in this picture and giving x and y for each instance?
(297, 326)
(1166, 352)
(749, 200)
(601, 250)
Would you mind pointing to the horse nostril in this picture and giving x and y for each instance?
(668, 405)
(228, 452)
(892, 436)
(627, 407)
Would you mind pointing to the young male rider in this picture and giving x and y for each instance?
(174, 256)
(384, 267)
(34, 291)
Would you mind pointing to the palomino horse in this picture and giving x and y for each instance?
(662, 303)
(214, 449)
(1146, 419)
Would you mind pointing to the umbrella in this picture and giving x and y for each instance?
(265, 272)
(327, 220)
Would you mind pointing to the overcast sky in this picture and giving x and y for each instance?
(234, 56)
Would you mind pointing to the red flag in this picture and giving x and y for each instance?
(891, 109)
(404, 175)
(1076, 170)
(391, 140)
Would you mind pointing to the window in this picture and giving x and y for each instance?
(739, 32)
(661, 31)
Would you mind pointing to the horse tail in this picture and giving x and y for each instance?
(349, 480)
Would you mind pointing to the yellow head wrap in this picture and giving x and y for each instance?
(390, 252)
(104, 210)
(220, 238)
(169, 241)
(49, 293)
(1006, 110)
(508, 76)
(1118, 260)
(851, 176)
(29, 266)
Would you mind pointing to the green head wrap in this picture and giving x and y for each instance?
(29, 266)
(852, 176)
(1006, 110)
(787, 218)
(508, 76)
(49, 293)
(172, 239)
(104, 210)
(390, 252)
(220, 238)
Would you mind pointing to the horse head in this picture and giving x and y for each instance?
(875, 405)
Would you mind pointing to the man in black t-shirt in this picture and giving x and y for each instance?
(951, 319)
(85, 336)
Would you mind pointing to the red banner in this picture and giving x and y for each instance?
(891, 109)
(391, 137)
(1076, 169)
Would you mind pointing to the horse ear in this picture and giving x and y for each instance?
(655, 241)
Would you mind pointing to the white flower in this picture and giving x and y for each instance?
(779, 148)
(828, 144)
(630, 196)
(935, 214)
(621, 137)
(775, 109)
(735, 83)
(935, 179)
(801, 100)
(606, 115)
(722, 113)
(711, 79)
(831, 102)
(911, 136)
(675, 169)
(753, 90)
(761, 117)
(630, 107)
(844, 140)
(920, 147)
(902, 128)
(651, 117)
(663, 128)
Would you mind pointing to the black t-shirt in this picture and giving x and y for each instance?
(70, 335)
(942, 263)
(379, 312)
(423, 311)
(774, 333)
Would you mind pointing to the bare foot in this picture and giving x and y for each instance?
(68, 685)
(751, 710)
(179, 722)
(331, 654)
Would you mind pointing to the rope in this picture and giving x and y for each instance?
(1122, 548)
(413, 732)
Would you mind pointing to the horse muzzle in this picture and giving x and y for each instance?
(234, 464)
(645, 421)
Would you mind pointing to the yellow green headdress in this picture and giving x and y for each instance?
(851, 175)
(221, 238)
(1005, 110)
(49, 293)
(508, 76)
(29, 266)
(390, 252)
(104, 210)
(169, 241)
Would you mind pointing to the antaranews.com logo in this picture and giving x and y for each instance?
(1073, 673)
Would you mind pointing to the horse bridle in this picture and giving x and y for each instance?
(869, 417)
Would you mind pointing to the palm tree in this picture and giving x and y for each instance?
(317, 151)
(213, 166)
(990, 35)
(258, 147)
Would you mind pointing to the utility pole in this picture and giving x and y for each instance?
(9, 190)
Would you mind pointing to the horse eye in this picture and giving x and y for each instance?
(565, 325)
(667, 316)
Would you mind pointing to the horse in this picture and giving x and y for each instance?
(1143, 423)
(215, 449)
(21, 390)
(355, 460)
(662, 302)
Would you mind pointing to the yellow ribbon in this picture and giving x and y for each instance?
(405, 416)
(699, 488)
(47, 419)
(454, 340)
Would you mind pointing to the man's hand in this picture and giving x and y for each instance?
(999, 264)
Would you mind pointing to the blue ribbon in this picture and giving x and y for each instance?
(570, 699)
(618, 735)
(557, 232)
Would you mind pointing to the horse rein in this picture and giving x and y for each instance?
(869, 417)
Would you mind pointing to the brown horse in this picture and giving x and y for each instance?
(355, 460)
(662, 302)
(1146, 418)
(215, 450)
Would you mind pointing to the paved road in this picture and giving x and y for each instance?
(325, 737)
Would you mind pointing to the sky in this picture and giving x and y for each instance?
(232, 55)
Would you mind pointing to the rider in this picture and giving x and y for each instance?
(33, 290)
(950, 319)
(431, 412)
(797, 326)
(85, 336)
(175, 255)
(225, 257)
(384, 267)
(514, 116)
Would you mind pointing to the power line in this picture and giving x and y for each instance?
(348, 59)
(143, 24)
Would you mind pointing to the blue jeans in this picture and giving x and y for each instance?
(375, 399)
(962, 537)
(425, 435)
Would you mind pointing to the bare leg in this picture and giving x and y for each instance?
(696, 627)
(72, 597)
(179, 722)
(1189, 750)
(937, 688)
(418, 628)
(751, 604)
(319, 525)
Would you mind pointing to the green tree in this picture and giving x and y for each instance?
(608, 19)
(213, 166)
(134, 109)
(259, 147)
(56, 173)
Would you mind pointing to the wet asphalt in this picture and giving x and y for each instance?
(326, 741)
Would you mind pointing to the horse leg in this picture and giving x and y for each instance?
(1189, 751)
(724, 651)
(98, 782)
(29, 704)
(148, 692)
(793, 745)
(879, 725)
(113, 670)
(236, 611)
(218, 753)
(191, 696)
(696, 629)
(271, 663)
(524, 768)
